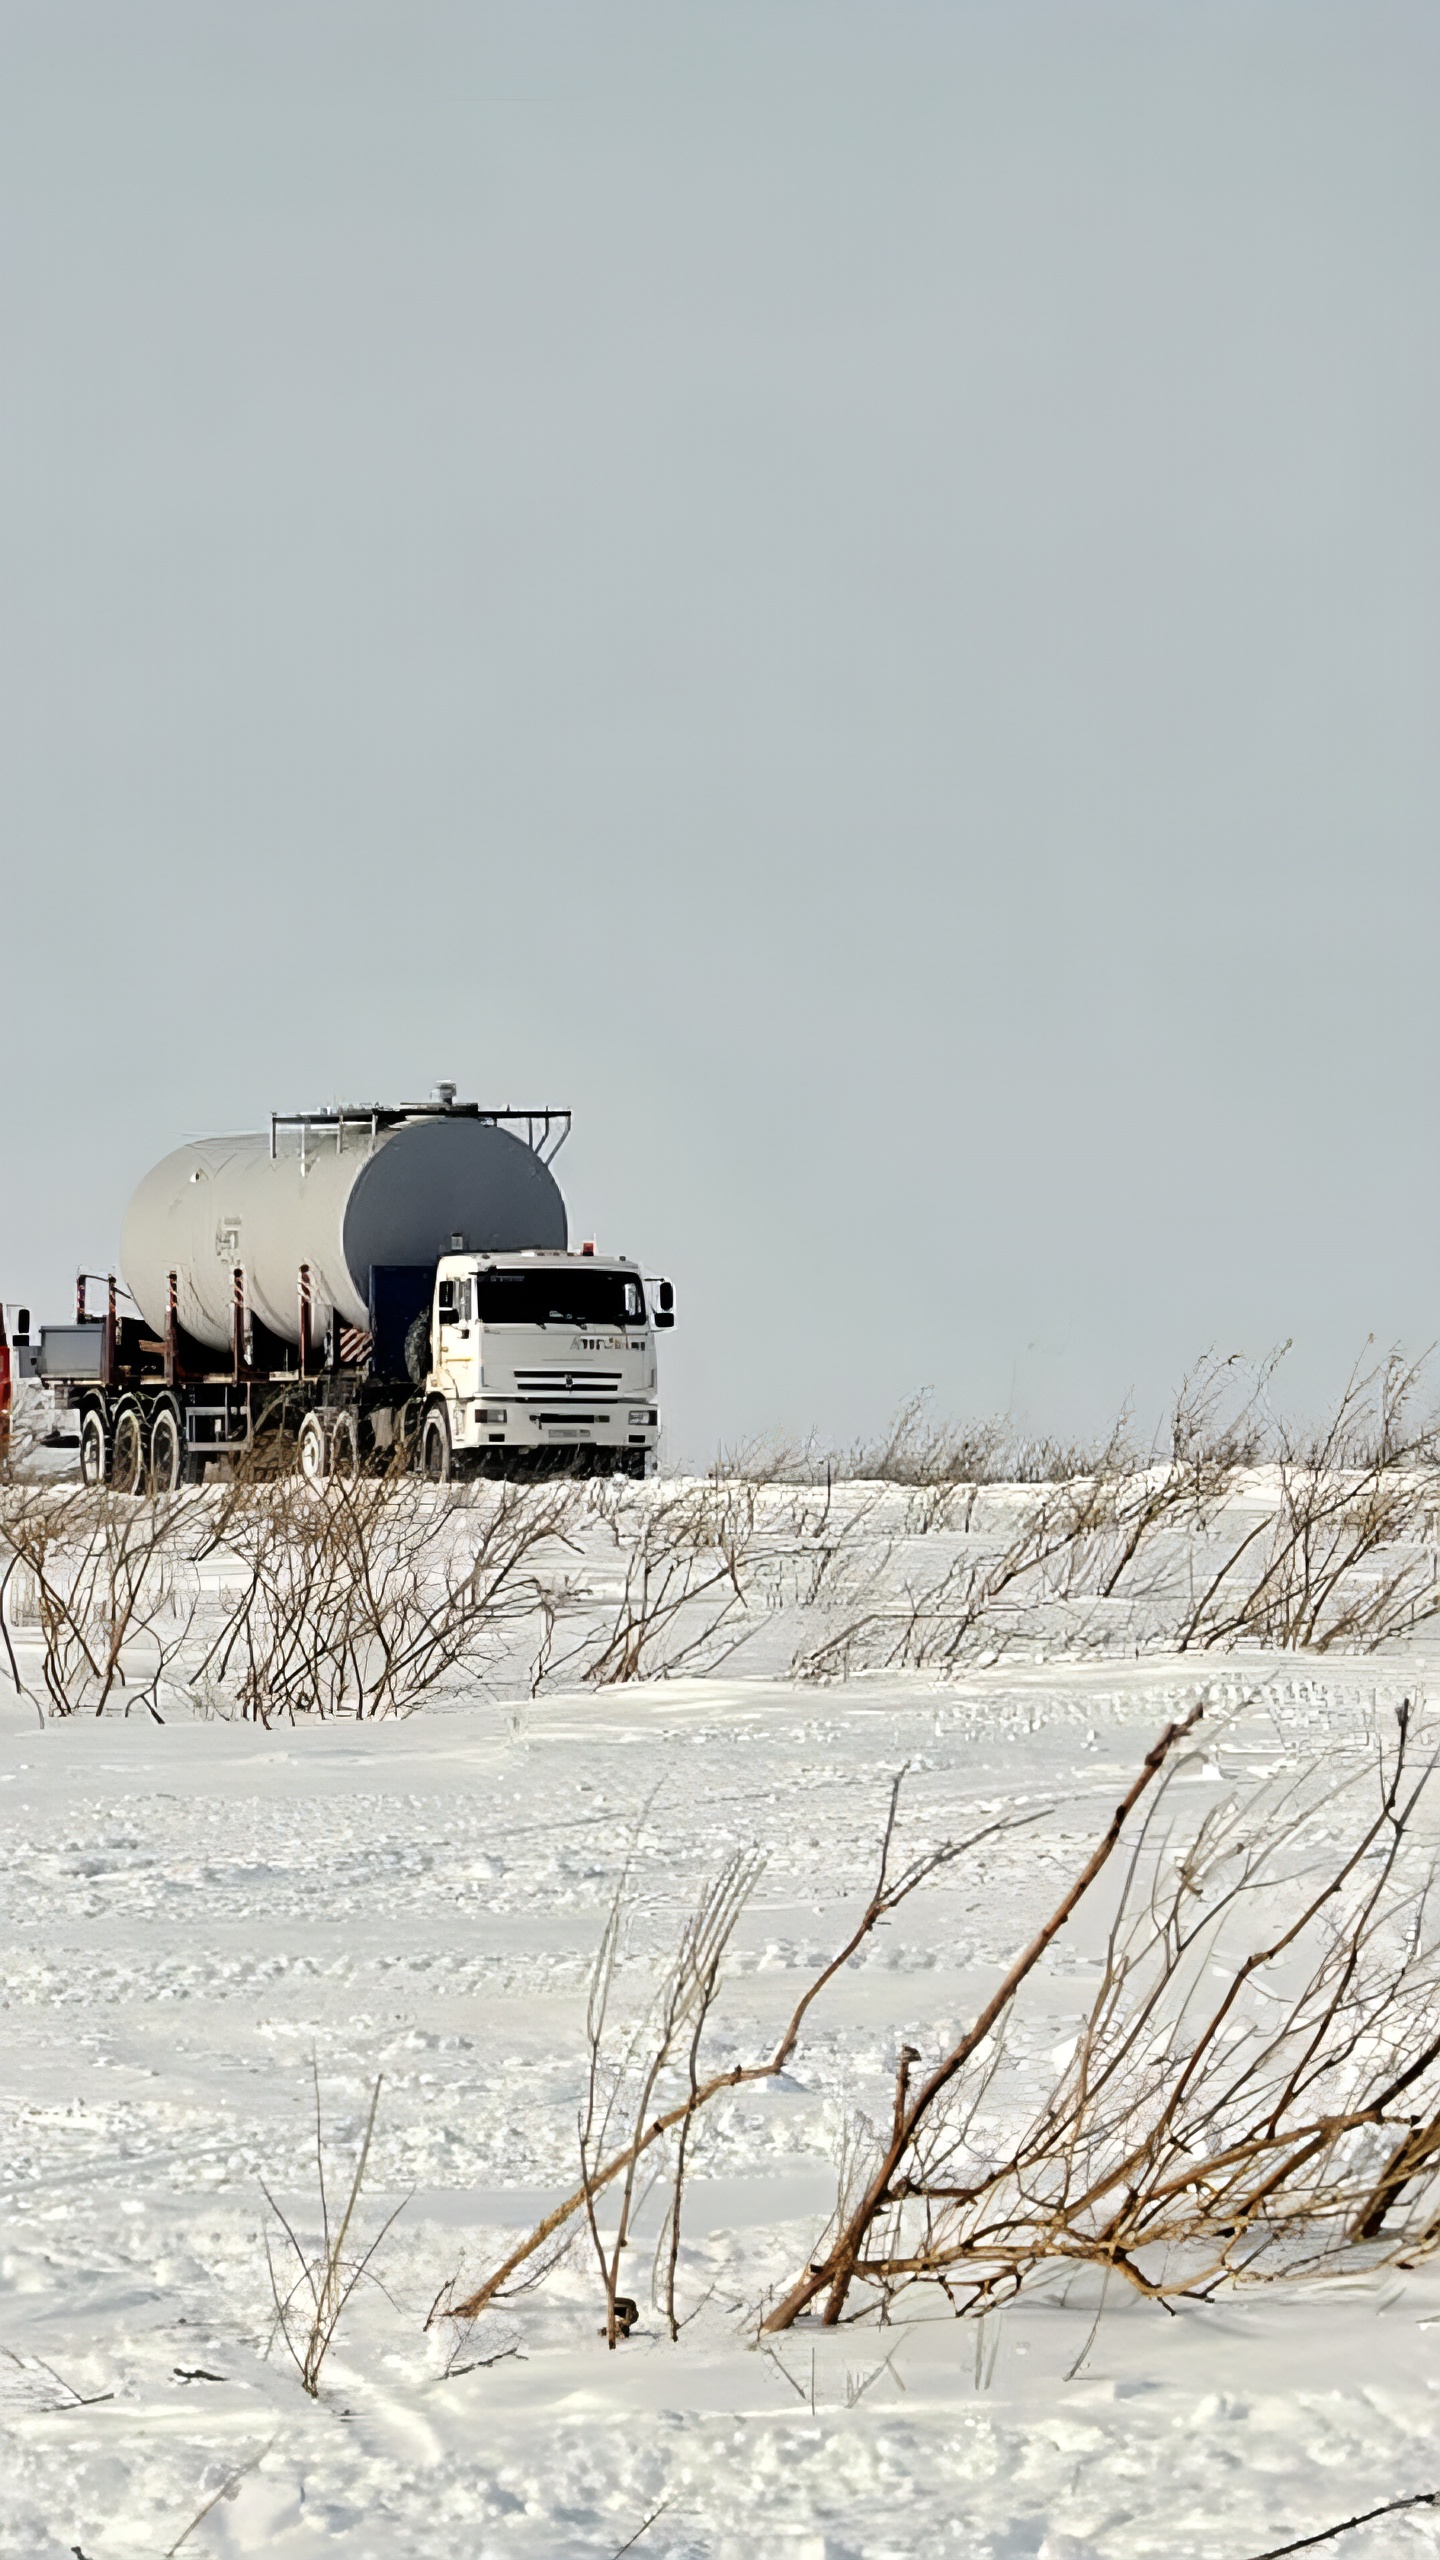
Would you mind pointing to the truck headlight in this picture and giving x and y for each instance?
(642, 1413)
(486, 1414)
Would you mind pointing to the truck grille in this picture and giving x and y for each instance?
(567, 1382)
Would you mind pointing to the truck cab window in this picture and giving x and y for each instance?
(561, 1294)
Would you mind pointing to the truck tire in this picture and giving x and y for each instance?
(437, 1458)
(313, 1454)
(167, 1450)
(94, 1447)
(417, 1349)
(345, 1448)
(127, 1451)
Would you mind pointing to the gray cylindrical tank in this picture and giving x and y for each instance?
(337, 1199)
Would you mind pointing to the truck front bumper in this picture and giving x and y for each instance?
(512, 1424)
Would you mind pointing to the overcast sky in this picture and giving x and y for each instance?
(852, 591)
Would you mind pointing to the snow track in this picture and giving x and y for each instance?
(193, 1911)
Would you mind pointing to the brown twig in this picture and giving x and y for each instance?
(644, 2528)
(225, 2490)
(1392, 2507)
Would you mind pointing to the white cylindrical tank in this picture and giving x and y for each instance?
(339, 1198)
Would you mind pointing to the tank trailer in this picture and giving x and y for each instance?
(357, 1288)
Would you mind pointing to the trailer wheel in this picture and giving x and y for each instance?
(314, 1454)
(437, 1458)
(127, 1454)
(345, 1448)
(94, 1448)
(167, 1451)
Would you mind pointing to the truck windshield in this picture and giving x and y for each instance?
(584, 1299)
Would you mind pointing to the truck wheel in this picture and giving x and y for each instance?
(94, 1448)
(127, 1457)
(437, 1458)
(167, 1451)
(345, 1448)
(314, 1452)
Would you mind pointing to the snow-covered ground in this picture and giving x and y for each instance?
(195, 1909)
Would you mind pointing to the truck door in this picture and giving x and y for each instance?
(458, 1350)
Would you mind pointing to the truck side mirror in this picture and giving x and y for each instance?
(664, 1306)
(445, 1301)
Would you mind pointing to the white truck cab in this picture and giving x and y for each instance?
(543, 1351)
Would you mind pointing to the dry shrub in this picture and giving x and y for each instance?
(1255, 2089)
(918, 1449)
(359, 1598)
(685, 1586)
(1341, 1550)
(1190, 1549)
(772, 1458)
(1254, 2092)
(630, 2089)
(355, 1599)
(323, 2273)
(106, 1585)
(1315, 1574)
(621, 2089)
